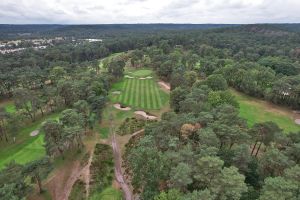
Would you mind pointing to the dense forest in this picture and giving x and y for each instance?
(202, 148)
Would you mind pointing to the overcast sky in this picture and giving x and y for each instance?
(148, 11)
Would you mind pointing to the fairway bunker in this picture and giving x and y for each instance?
(144, 78)
(145, 115)
(120, 107)
(164, 85)
(34, 133)
(116, 92)
(297, 121)
(126, 76)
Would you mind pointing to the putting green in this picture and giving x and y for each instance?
(142, 73)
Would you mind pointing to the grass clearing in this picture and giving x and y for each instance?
(108, 194)
(140, 93)
(26, 148)
(8, 106)
(255, 110)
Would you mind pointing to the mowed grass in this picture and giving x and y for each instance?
(108, 194)
(26, 148)
(255, 111)
(142, 73)
(140, 93)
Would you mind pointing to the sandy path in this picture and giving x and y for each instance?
(86, 176)
(60, 185)
(118, 171)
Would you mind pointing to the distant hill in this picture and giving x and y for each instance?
(8, 31)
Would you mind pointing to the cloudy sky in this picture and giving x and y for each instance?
(148, 11)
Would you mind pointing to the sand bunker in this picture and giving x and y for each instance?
(149, 77)
(145, 115)
(34, 133)
(297, 121)
(164, 85)
(142, 78)
(126, 76)
(119, 107)
(116, 92)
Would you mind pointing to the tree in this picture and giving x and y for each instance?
(181, 176)
(13, 183)
(206, 136)
(54, 140)
(82, 107)
(263, 133)
(273, 162)
(217, 82)
(200, 195)
(230, 185)
(57, 73)
(208, 168)
(172, 194)
(177, 95)
(116, 68)
(25, 100)
(3, 118)
(278, 188)
(37, 170)
(242, 158)
(67, 91)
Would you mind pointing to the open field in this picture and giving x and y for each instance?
(255, 110)
(140, 93)
(26, 148)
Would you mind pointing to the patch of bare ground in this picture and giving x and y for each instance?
(164, 85)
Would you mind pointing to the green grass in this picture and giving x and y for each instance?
(255, 111)
(107, 194)
(8, 106)
(26, 148)
(139, 93)
(142, 73)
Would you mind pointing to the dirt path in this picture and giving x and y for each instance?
(60, 185)
(118, 170)
(86, 175)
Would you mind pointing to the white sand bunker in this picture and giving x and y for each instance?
(34, 133)
(145, 115)
(297, 121)
(148, 77)
(126, 76)
(164, 85)
(120, 107)
(116, 92)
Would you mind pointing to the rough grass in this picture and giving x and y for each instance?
(8, 106)
(255, 111)
(107, 194)
(26, 148)
(140, 94)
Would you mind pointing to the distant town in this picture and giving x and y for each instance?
(11, 46)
